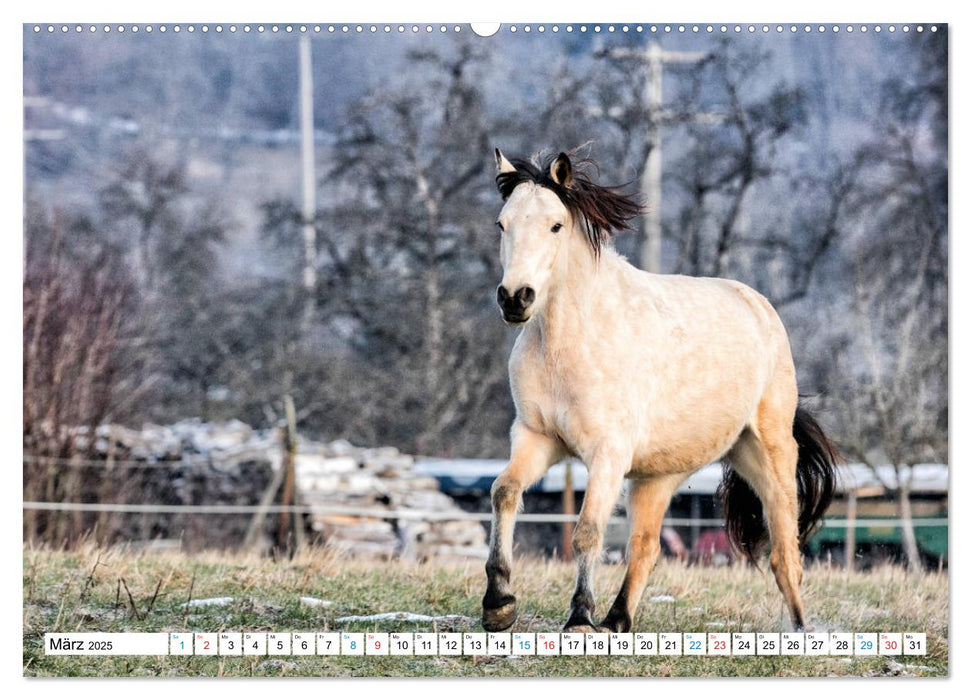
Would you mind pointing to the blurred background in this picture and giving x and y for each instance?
(222, 226)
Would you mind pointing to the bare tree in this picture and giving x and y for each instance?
(726, 161)
(74, 313)
(891, 368)
(145, 193)
(407, 263)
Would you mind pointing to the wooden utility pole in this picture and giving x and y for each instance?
(309, 213)
(654, 58)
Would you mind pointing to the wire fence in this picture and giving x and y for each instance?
(109, 463)
(417, 515)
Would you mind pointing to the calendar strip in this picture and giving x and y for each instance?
(390, 644)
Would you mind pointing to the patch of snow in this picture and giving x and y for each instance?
(400, 616)
(203, 602)
(315, 602)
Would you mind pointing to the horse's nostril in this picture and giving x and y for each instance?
(526, 295)
(501, 294)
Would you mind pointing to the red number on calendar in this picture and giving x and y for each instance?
(205, 644)
(377, 644)
(892, 644)
(719, 645)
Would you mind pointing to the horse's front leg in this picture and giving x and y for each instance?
(606, 475)
(532, 455)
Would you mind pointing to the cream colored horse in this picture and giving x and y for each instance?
(645, 377)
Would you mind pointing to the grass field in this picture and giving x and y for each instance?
(97, 590)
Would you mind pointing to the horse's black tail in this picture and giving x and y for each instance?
(815, 482)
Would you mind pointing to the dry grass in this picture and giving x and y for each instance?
(83, 590)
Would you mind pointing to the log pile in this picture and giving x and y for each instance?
(404, 512)
(407, 513)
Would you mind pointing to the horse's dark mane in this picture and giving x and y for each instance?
(602, 210)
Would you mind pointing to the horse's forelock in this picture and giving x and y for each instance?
(602, 210)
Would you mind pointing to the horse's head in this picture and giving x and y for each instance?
(545, 203)
(532, 225)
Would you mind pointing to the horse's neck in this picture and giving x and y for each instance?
(583, 286)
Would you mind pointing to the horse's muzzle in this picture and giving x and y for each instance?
(514, 307)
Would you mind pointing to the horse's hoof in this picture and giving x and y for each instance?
(499, 619)
(580, 622)
(616, 623)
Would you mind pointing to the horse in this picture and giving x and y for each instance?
(646, 377)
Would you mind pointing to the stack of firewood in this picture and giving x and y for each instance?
(368, 501)
(406, 513)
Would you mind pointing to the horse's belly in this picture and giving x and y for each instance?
(684, 453)
(678, 446)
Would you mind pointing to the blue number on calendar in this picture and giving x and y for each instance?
(524, 644)
(695, 646)
(867, 645)
(353, 645)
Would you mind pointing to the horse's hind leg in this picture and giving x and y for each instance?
(532, 455)
(649, 499)
(766, 457)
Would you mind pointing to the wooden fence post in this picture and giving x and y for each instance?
(850, 531)
(289, 466)
(569, 508)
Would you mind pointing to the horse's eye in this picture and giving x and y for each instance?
(556, 228)
(499, 224)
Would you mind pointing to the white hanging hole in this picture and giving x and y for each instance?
(485, 28)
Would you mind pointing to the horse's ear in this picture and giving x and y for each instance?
(561, 170)
(503, 165)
